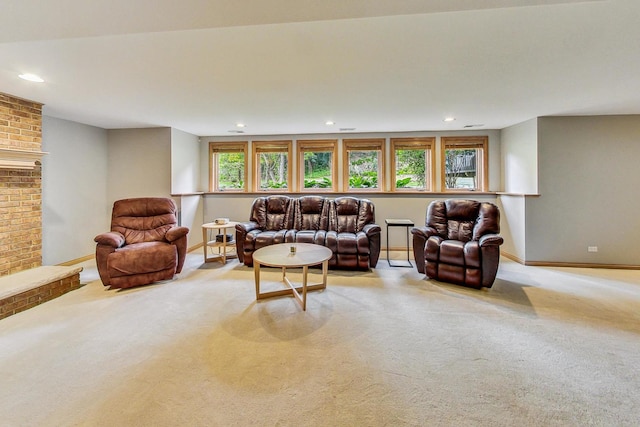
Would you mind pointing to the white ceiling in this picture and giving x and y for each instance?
(287, 66)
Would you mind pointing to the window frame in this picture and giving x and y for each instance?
(279, 146)
(214, 168)
(426, 143)
(482, 165)
(317, 145)
(367, 144)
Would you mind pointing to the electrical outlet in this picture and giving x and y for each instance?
(592, 249)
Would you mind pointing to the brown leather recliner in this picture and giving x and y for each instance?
(145, 244)
(345, 225)
(459, 243)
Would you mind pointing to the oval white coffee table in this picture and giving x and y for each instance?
(280, 255)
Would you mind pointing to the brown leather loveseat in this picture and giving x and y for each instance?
(345, 225)
(145, 243)
(459, 243)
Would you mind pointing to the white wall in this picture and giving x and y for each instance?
(185, 179)
(513, 225)
(519, 172)
(185, 162)
(519, 158)
(75, 206)
(139, 163)
(588, 184)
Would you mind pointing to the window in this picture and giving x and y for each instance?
(272, 170)
(228, 166)
(411, 164)
(363, 164)
(316, 164)
(465, 165)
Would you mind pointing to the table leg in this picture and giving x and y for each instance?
(388, 260)
(205, 241)
(325, 270)
(305, 270)
(224, 245)
(298, 292)
(256, 272)
(408, 260)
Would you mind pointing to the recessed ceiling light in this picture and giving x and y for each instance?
(31, 77)
(449, 119)
(240, 125)
(329, 123)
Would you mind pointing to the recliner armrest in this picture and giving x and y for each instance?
(370, 229)
(175, 233)
(112, 238)
(490, 240)
(247, 226)
(425, 232)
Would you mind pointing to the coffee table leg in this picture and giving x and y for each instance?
(325, 270)
(305, 270)
(256, 272)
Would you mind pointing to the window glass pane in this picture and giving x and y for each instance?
(317, 169)
(363, 169)
(231, 167)
(411, 168)
(272, 170)
(460, 168)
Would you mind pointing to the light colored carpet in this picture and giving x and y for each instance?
(544, 346)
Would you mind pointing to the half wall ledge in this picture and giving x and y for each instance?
(25, 289)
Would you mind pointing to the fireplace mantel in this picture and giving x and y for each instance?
(11, 158)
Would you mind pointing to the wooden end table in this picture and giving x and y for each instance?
(223, 247)
(280, 255)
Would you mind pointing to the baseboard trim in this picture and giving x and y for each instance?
(77, 260)
(193, 248)
(569, 264)
(512, 257)
(396, 249)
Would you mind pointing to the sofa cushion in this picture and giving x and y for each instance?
(267, 238)
(452, 252)
(273, 213)
(472, 254)
(312, 213)
(143, 219)
(350, 214)
(346, 215)
(140, 258)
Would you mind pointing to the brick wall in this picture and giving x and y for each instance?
(20, 190)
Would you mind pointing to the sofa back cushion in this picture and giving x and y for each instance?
(273, 213)
(350, 214)
(143, 219)
(312, 213)
(453, 219)
(488, 221)
(463, 220)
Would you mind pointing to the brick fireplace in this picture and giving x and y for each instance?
(20, 184)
